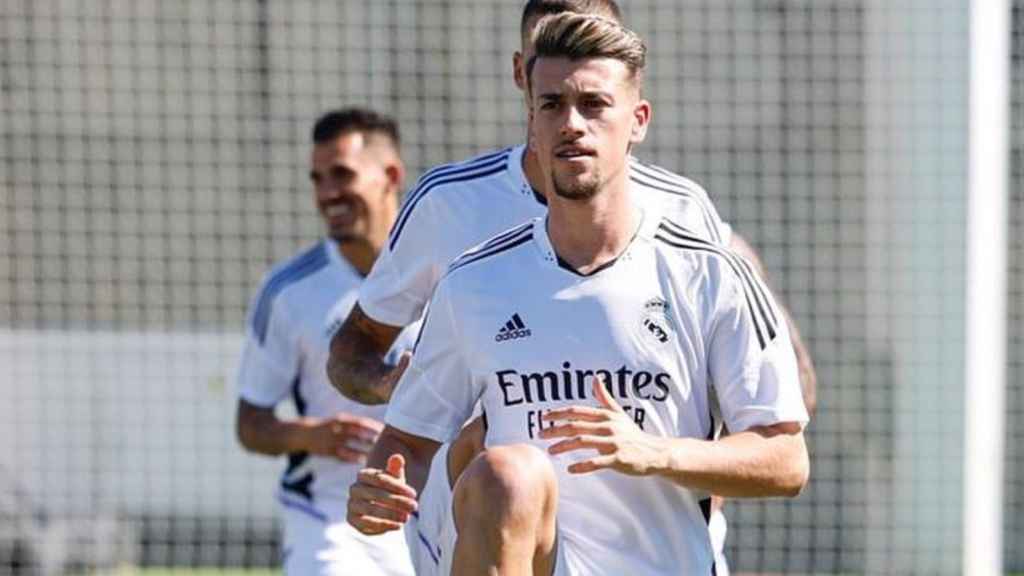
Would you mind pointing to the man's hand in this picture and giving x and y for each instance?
(346, 437)
(620, 444)
(380, 500)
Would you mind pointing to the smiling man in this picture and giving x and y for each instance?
(634, 338)
(356, 174)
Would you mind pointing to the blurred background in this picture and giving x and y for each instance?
(153, 163)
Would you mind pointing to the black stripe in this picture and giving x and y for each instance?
(509, 326)
(760, 287)
(705, 247)
(419, 333)
(491, 252)
(498, 240)
(711, 430)
(685, 186)
(746, 294)
(502, 237)
(518, 321)
(475, 173)
(752, 277)
(447, 170)
(743, 267)
(680, 189)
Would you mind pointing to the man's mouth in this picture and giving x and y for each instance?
(338, 210)
(570, 152)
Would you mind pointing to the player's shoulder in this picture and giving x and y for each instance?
(665, 181)
(442, 184)
(481, 259)
(284, 276)
(308, 260)
(722, 271)
(676, 194)
(681, 241)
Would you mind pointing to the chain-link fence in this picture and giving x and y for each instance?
(153, 161)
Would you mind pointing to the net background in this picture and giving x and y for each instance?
(153, 165)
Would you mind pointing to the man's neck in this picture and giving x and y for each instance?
(588, 234)
(532, 171)
(360, 254)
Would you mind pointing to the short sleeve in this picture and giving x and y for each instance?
(436, 394)
(725, 230)
(751, 361)
(271, 356)
(407, 269)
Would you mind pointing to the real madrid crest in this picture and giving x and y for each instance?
(655, 320)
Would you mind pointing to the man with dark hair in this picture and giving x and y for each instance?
(356, 174)
(603, 382)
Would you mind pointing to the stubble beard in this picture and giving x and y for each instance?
(578, 190)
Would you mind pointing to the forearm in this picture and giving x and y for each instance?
(418, 452)
(356, 365)
(744, 465)
(265, 434)
(359, 374)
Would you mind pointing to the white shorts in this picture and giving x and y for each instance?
(318, 541)
(431, 537)
(718, 529)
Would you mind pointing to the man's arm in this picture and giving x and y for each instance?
(808, 377)
(344, 436)
(356, 366)
(385, 492)
(758, 462)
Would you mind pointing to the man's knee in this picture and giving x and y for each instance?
(507, 482)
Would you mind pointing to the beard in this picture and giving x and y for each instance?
(579, 189)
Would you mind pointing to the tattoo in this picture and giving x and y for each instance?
(356, 366)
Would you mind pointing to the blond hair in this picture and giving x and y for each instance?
(579, 36)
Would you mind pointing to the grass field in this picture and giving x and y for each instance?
(195, 572)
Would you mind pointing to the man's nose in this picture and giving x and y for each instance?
(572, 121)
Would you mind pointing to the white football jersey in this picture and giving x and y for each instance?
(456, 206)
(299, 306)
(682, 330)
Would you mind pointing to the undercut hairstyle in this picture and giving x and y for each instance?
(350, 120)
(539, 8)
(579, 36)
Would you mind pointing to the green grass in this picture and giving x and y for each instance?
(196, 572)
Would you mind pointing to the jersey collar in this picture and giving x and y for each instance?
(645, 232)
(515, 170)
(334, 256)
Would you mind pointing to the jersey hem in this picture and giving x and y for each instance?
(417, 427)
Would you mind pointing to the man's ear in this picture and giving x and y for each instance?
(518, 70)
(395, 173)
(641, 120)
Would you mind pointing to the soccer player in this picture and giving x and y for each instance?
(356, 174)
(456, 206)
(603, 343)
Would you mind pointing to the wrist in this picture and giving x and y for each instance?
(675, 458)
(298, 434)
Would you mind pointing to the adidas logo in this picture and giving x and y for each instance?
(514, 328)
